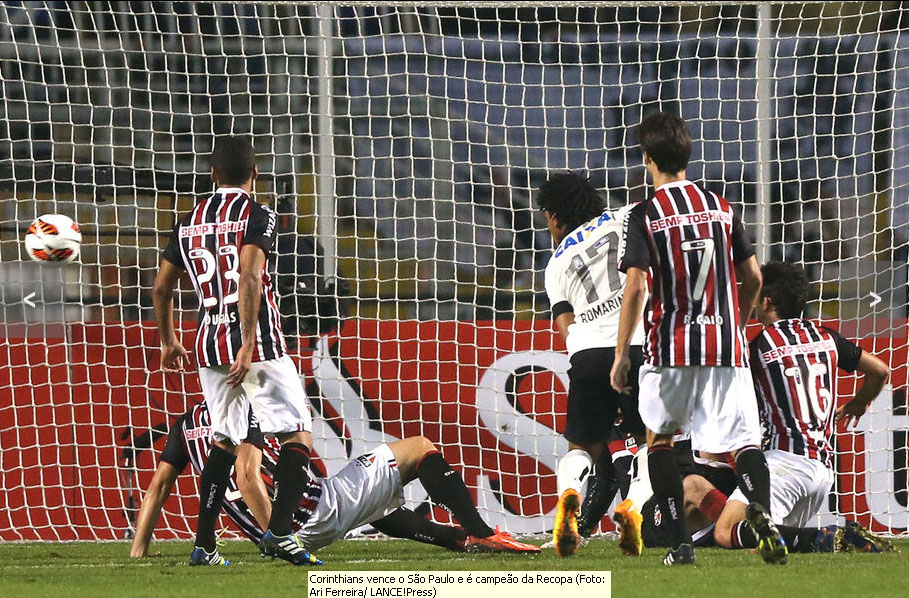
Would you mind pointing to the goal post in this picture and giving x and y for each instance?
(401, 146)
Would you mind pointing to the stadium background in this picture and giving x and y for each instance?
(401, 146)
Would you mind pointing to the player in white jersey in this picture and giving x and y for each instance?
(584, 287)
(224, 244)
(368, 490)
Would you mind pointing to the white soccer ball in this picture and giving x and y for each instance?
(53, 238)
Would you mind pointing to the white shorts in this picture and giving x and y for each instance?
(798, 488)
(272, 387)
(367, 489)
(717, 405)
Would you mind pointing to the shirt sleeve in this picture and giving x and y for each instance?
(741, 244)
(848, 353)
(557, 300)
(636, 248)
(175, 449)
(261, 229)
(172, 252)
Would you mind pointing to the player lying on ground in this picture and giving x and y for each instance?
(584, 288)
(795, 363)
(687, 247)
(707, 513)
(225, 243)
(368, 490)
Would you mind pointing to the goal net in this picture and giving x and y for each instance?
(401, 146)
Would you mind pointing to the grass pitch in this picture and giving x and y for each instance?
(104, 569)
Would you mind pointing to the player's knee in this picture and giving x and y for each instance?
(424, 445)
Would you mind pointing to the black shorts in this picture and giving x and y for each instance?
(593, 406)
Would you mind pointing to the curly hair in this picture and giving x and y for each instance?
(571, 199)
(787, 286)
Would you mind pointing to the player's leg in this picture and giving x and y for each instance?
(407, 524)
(666, 399)
(418, 458)
(229, 412)
(725, 421)
(629, 513)
(602, 487)
(279, 403)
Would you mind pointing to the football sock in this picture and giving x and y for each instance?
(601, 489)
(404, 523)
(667, 490)
(753, 475)
(712, 505)
(799, 539)
(573, 470)
(291, 477)
(621, 467)
(743, 536)
(446, 488)
(640, 489)
(212, 485)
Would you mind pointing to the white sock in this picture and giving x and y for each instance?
(640, 490)
(574, 469)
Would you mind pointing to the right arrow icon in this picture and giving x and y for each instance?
(876, 299)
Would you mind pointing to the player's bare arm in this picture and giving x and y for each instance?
(876, 375)
(563, 321)
(173, 356)
(158, 490)
(633, 300)
(748, 273)
(252, 261)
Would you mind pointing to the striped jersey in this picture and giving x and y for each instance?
(582, 277)
(189, 442)
(689, 241)
(794, 364)
(206, 243)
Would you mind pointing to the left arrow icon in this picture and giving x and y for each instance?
(27, 300)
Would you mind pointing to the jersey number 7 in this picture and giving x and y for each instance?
(578, 266)
(706, 249)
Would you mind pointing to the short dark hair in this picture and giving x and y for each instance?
(666, 139)
(233, 159)
(571, 199)
(787, 286)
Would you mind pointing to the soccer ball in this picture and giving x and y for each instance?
(53, 238)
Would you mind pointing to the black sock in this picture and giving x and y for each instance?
(743, 536)
(753, 476)
(621, 467)
(291, 477)
(601, 489)
(446, 488)
(667, 491)
(212, 485)
(404, 523)
(799, 539)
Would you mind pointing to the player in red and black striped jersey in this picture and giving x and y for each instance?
(206, 243)
(795, 364)
(189, 443)
(368, 490)
(224, 244)
(687, 247)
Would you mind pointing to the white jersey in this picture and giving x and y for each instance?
(583, 277)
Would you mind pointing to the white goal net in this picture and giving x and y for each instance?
(401, 146)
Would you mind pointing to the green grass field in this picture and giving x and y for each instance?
(85, 569)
